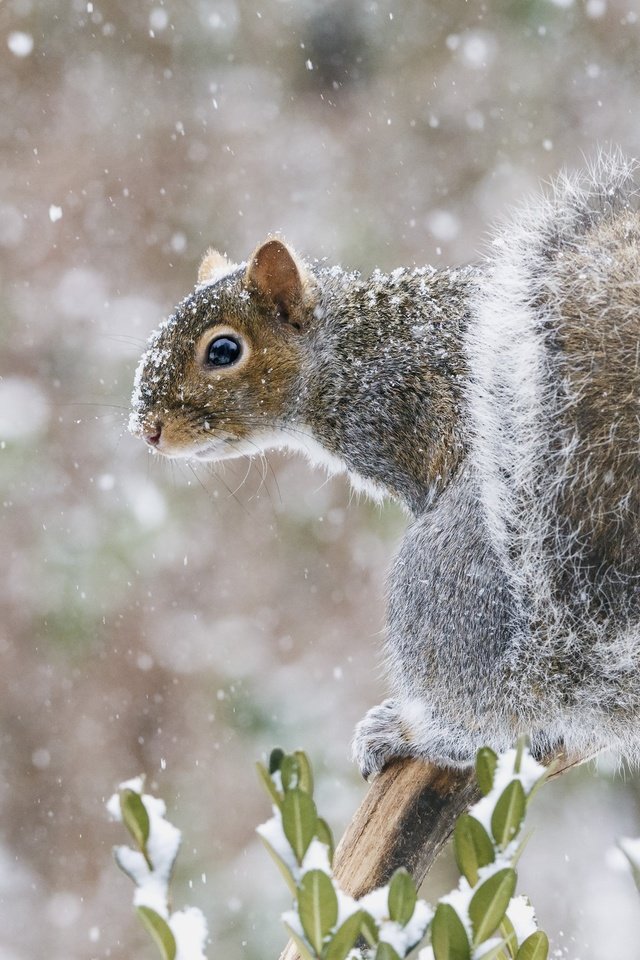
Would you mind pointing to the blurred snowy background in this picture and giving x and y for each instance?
(178, 623)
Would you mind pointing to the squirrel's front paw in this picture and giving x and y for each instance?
(409, 729)
(380, 737)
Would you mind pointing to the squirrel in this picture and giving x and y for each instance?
(500, 404)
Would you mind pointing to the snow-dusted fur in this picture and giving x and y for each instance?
(554, 400)
(501, 405)
(515, 394)
(515, 602)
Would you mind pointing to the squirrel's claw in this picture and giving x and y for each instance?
(385, 733)
(381, 736)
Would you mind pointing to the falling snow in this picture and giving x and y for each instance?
(135, 137)
(20, 44)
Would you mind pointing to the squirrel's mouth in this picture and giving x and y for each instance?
(218, 448)
(223, 446)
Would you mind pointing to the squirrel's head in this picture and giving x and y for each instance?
(220, 375)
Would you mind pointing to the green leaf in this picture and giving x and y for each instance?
(508, 814)
(486, 763)
(303, 947)
(369, 928)
(344, 938)
(402, 897)
(324, 835)
(473, 847)
(269, 785)
(509, 934)
(523, 840)
(135, 816)
(535, 947)
(282, 866)
(305, 773)
(123, 864)
(317, 907)
(290, 772)
(386, 952)
(496, 952)
(521, 746)
(299, 821)
(160, 932)
(448, 935)
(489, 903)
(275, 759)
(547, 771)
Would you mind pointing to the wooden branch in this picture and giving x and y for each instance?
(405, 819)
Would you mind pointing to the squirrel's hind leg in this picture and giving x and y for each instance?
(396, 729)
(449, 634)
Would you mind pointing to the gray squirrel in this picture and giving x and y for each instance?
(500, 403)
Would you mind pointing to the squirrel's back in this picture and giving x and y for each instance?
(554, 354)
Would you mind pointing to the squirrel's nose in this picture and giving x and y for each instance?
(153, 437)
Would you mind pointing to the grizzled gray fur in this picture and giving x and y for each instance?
(500, 405)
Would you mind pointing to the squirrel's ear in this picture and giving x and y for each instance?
(275, 273)
(213, 265)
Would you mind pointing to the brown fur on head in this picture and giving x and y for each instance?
(188, 404)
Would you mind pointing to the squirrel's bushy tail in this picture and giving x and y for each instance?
(554, 354)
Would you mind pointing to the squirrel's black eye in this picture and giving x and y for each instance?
(223, 351)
